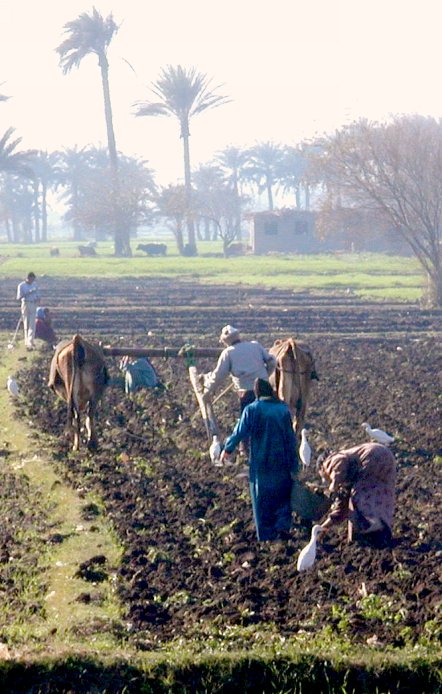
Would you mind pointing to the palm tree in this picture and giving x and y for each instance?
(92, 34)
(14, 167)
(14, 162)
(264, 167)
(45, 170)
(182, 93)
(232, 161)
(293, 169)
(20, 219)
(72, 169)
(172, 206)
(206, 179)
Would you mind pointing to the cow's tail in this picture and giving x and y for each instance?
(78, 358)
(305, 371)
(275, 377)
(297, 374)
(296, 358)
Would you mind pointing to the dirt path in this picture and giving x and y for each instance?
(79, 611)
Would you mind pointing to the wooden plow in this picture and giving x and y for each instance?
(189, 354)
(309, 503)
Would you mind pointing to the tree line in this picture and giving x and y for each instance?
(388, 174)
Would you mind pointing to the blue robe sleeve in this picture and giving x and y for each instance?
(241, 431)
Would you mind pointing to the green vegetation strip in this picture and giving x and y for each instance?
(70, 610)
(369, 274)
(240, 672)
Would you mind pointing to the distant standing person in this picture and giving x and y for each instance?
(28, 295)
(245, 361)
(273, 460)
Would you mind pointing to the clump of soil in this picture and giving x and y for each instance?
(93, 569)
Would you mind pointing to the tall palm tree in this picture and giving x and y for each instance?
(182, 93)
(92, 34)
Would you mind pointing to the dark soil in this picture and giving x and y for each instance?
(191, 559)
(176, 311)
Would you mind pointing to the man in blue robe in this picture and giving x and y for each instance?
(273, 460)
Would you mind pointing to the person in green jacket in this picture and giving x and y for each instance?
(273, 462)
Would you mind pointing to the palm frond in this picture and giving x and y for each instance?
(6, 148)
(152, 109)
(14, 162)
(182, 92)
(87, 34)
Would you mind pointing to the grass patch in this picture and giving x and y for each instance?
(297, 673)
(46, 606)
(369, 274)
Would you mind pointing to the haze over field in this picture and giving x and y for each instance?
(292, 69)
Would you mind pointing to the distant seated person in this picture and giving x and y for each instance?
(139, 373)
(43, 326)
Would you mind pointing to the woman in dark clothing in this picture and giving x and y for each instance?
(273, 460)
(364, 481)
(43, 326)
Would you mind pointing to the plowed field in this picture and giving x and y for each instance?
(191, 564)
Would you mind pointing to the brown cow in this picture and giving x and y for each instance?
(235, 249)
(295, 370)
(78, 374)
(87, 251)
(153, 248)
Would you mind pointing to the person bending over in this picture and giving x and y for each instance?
(363, 478)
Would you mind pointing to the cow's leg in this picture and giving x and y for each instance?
(289, 396)
(300, 418)
(76, 430)
(72, 428)
(92, 441)
(301, 408)
(304, 391)
(298, 421)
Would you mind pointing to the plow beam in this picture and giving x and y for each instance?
(165, 352)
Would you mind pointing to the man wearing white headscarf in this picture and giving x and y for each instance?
(244, 361)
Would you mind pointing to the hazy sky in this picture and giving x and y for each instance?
(291, 68)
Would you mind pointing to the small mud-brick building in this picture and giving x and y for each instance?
(284, 231)
(304, 231)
